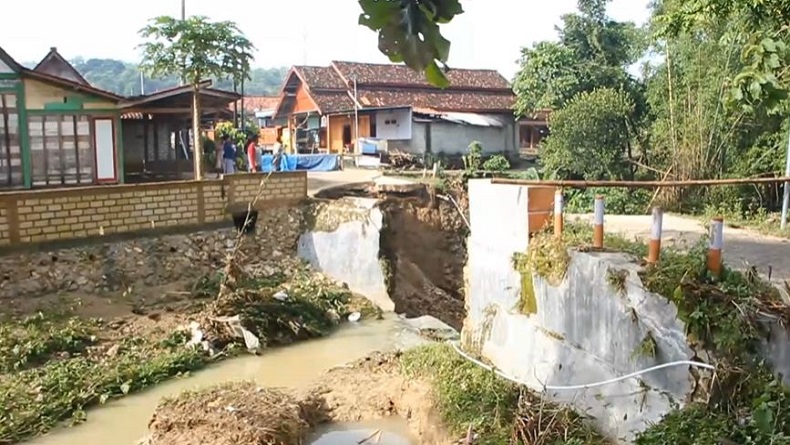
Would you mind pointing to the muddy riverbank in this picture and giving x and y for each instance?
(57, 364)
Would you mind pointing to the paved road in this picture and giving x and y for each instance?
(317, 181)
(742, 247)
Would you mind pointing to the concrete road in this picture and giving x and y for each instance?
(742, 247)
(317, 181)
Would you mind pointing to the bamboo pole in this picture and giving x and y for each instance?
(640, 184)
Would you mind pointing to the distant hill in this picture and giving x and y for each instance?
(124, 78)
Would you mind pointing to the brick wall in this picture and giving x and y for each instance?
(73, 213)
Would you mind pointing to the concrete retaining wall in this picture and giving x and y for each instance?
(344, 243)
(584, 331)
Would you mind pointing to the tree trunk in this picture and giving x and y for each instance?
(197, 149)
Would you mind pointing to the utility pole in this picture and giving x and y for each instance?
(356, 118)
(183, 19)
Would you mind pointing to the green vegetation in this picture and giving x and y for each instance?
(124, 78)
(747, 404)
(467, 395)
(647, 347)
(195, 49)
(408, 32)
(617, 279)
(70, 376)
(712, 105)
(53, 367)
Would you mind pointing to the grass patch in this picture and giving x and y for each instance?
(497, 410)
(547, 258)
(647, 347)
(34, 400)
(54, 367)
(617, 279)
(747, 404)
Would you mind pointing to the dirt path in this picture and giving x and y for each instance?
(742, 247)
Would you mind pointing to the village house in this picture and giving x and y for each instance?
(395, 104)
(57, 130)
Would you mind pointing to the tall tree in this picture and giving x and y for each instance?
(195, 49)
(764, 78)
(593, 51)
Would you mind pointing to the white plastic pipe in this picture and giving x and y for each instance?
(586, 385)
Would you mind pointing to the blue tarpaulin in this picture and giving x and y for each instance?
(289, 163)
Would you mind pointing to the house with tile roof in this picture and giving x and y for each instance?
(57, 130)
(335, 104)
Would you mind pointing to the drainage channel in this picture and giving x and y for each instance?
(125, 421)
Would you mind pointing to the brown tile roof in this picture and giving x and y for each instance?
(253, 103)
(401, 75)
(321, 77)
(56, 65)
(332, 101)
(447, 100)
(398, 85)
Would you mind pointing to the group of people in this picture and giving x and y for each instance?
(227, 154)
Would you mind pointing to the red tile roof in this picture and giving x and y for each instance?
(448, 100)
(331, 101)
(401, 75)
(321, 77)
(259, 103)
(381, 85)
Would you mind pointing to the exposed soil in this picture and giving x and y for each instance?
(423, 244)
(244, 414)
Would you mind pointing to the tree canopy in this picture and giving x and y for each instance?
(195, 49)
(124, 78)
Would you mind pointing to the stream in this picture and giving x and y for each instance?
(125, 420)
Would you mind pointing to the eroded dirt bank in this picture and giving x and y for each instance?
(246, 414)
(423, 247)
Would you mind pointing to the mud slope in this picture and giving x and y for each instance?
(423, 244)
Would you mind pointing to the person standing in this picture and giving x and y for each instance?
(252, 147)
(228, 155)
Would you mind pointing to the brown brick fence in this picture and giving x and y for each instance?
(73, 213)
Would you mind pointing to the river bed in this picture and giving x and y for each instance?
(124, 421)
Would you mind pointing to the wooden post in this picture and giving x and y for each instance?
(598, 222)
(716, 246)
(558, 219)
(654, 245)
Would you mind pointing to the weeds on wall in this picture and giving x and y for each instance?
(546, 258)
(747, 404)
(498, 411)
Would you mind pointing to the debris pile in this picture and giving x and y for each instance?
(265, 307)
(234, 414)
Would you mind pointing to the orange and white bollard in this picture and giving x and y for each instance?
(654, 245)
(559, 222)
(716, 246)
(598, 222)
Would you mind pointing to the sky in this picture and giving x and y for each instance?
(287, 32)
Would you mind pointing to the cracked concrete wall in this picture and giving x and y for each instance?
(583, 331)
(345, 246)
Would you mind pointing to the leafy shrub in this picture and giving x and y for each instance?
(496, 163)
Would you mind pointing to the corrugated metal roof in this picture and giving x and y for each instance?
(477, 120)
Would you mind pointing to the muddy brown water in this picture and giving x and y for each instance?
(389, 431)
(124, 421)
